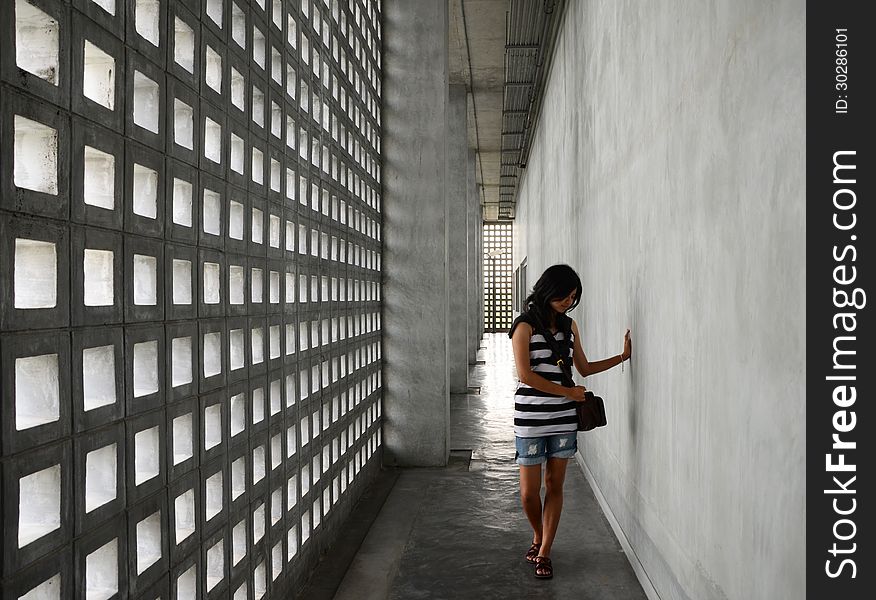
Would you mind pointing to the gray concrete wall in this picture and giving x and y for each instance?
(415, 99)
(457, 263)
(668, 169)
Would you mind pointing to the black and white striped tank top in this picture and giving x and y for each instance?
(538, 413)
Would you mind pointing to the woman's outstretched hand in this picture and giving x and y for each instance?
(628, 346)
(576, 393)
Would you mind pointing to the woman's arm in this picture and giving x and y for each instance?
(586, 367)
(520, 343)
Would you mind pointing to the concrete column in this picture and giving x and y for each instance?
(415, 98)
(472, 223)
(457, 198)
(480, 259)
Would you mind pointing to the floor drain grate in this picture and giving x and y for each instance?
(460, 460)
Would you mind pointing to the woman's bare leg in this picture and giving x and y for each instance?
(530, 497)
(554, 477)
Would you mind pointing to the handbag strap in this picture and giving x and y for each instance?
(555, 349)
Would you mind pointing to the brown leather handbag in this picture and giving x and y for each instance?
(591, 412)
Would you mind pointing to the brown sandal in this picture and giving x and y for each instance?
(532, 553)
(543, 568)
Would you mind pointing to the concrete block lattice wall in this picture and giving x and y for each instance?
(190, 257)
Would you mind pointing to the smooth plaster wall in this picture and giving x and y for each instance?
(668, 169)
(416, 429)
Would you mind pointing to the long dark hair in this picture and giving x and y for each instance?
(557, 282)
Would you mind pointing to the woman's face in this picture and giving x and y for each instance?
(561, 305)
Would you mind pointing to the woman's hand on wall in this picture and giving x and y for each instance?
(628, 346)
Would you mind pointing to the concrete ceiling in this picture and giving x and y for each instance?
(477, 52)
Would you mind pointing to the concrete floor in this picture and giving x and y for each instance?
(459, 532)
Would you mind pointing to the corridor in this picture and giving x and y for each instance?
(459, 532)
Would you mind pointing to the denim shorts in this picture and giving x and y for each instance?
(536, 450)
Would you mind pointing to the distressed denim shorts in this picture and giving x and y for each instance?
(536, 450)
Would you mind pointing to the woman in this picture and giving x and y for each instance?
(545, 422)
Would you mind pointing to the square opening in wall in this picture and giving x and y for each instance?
(183, 124)
(212, 426)
(146, 102)
(145, 368)
(238, 24)
(182, 281)
(236, 154)
(181, 361)
(274, 337)
(235, 285)
(215, 564)
(211, 283)
(213, 70)
(237, 356)
(258, 405)
(102, 572)
(146, 455)
(35, 156)
(36, 273)
(238, 543)
(258, 464)
(238, 414)
(145, 191)
(258, 106)
(184, 45)
(47, 590)
(258, 167)
(212, 354)
(235, 220)
(99, 180)
(36, 42)
(276, 506)
(184, 515)
(274, 289)
(214, 11)
(183, 446)
(276, 560)
(187, 585)
(274, 231)
(98, 76)
(98, 277)
(258, 226)
(238, 478)
(276, 452)
(258, 347)
(212, 212)
(37, 391)
(212, 140)
(182, 202)
(98, 377)
(258, 47)
(147, 20)
(145, 280)
(148, 541)
(100, 477)
(39, 504)
(238, 89)
(258, 524)
(275, 174)
(256, 285)
(213, 500)
(108, 5)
